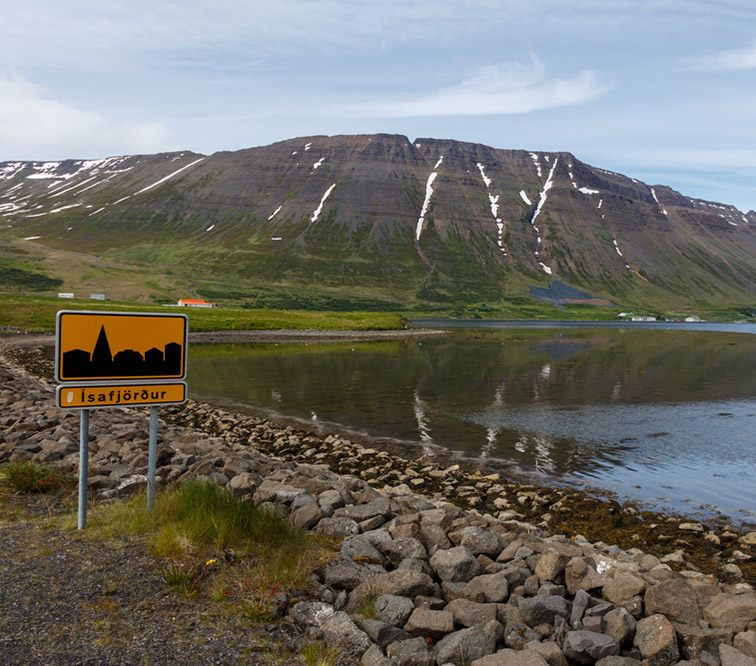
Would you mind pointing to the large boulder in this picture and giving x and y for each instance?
(587, 647)
(675, 599)
(340, 630)
(731, 656)
(579, 575)
(412, 652)
(429, 623)
(393, 609)
(455, 565)
(470, 613)
(542, 608)
(656, 639)
(731, 611)
(488, 588)
(481, 542)
(463, 647)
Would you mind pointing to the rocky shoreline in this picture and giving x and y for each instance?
(438, 563)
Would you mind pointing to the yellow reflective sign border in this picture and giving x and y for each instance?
(90, 396)
(93, 346)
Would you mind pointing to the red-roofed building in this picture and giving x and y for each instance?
(195, 303)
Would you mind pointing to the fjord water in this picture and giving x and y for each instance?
(667, 417)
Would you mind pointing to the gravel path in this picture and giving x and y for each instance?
(69, 598)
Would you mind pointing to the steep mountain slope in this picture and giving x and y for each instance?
(380, 216)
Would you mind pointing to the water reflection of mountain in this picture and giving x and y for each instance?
(78, 363)
(590, 406)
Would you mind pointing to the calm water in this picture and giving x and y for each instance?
(664, 416)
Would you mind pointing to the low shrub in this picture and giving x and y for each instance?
(31, 477)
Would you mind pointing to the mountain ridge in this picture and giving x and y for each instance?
(424, 221)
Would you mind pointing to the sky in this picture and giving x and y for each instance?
(663, 91)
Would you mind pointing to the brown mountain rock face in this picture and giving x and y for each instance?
(429, 220)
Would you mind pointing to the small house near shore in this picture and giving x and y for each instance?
(195, 303)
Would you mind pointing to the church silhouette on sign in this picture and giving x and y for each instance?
(78, 363)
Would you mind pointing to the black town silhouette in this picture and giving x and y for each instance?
(78, 363)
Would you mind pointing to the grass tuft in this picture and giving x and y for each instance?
(320, 654)
(206, 541)
(31, 477)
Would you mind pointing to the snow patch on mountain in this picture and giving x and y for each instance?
(319, 209)
(541, 201)
(537, 163)
(426, 203)
(657, 201)
(494, 201)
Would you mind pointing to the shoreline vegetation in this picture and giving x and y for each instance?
(420, 532)
(26, 312)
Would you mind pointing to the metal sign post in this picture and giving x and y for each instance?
(119, 359)
(152, 459)
(83, 467)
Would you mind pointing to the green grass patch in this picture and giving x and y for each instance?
(37, 313)
(206, 541)
(32, 477)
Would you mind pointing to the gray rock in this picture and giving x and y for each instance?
(551, 566)
(488, 588)
(516, 574)
(357, 547)
(746, 640)
(382, 633)
(463, 647)
(414, 564)
(622, 587)
(618, 661)
(311, 613)
(541, 609)
(393, 609)
(339, 630)
(550, 651)
(578, 575)
(338, 528)
(656, 639)
(517, 635)
(481, 542)
(343, 574)
(412, 652)
(402, 582)
(511, 658)
(455, 565)
(675, 599)
(429, 623)
(380, 506)
(587, 647)
(580, 603)
(245, 483)
(433, 536)
(620, 625)
(402, 549)
(375, 657)
(306, 516)
(375, 537)
(732, 612)
(329, 501)
(468, 613)
(731, 656)
(693, 641)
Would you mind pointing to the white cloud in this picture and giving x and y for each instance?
(34, 126)
(729, 60)
(509, 88)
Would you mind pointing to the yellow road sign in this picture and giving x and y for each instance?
(88, 396)
(114, 346)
